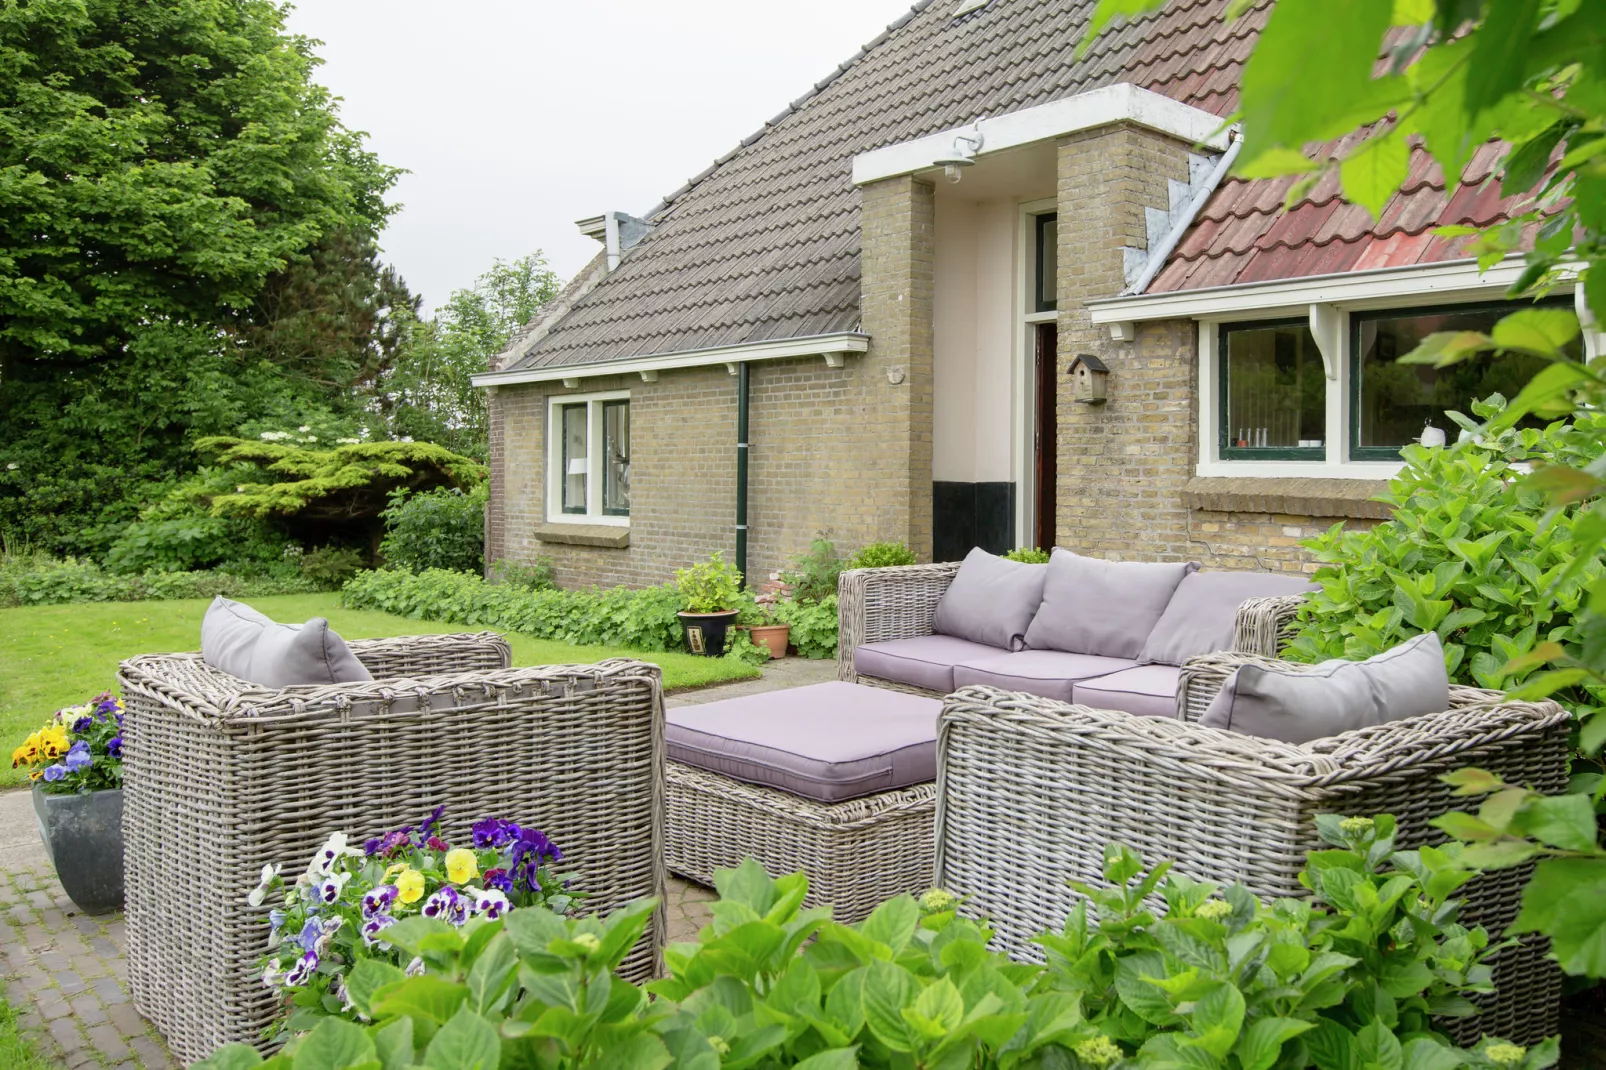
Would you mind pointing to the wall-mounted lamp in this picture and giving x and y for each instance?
(962, 155)
(1091, 379)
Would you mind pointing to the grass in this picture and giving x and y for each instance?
(55, 656)
(15, 1051)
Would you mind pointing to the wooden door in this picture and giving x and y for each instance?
(1045, 439)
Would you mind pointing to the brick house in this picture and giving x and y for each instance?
(910, 349)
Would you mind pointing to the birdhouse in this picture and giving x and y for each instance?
(1090, 378)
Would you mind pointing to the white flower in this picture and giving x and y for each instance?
(271, 974)
(312, 438)
(268, 873)
(13, 466)
(333, 848)
(415, 968)
(342, 441)
(303, 429)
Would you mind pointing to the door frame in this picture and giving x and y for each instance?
(1026, 368)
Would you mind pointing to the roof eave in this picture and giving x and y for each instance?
(832, 347)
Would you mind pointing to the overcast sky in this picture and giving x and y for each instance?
(518, 117)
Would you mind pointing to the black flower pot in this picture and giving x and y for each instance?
(83, 836)
(705, 632)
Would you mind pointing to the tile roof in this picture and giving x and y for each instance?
(765, 244)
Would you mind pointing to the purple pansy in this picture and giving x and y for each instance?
(490, 903)
(498, 879)
(429, 823)
(373, 927)
(78, 758)
(378, 901)
(302, 971)
(310, 934)
(328, 891)
(55, 772)
(370, 847)
(82, 725)
(447, 905)
(493, 832)
(114, 746)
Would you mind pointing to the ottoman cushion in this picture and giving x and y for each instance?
(925, 661)
(1047, 673)
(828, 742)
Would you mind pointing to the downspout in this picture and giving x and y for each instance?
(1161, 252)
(741, 469)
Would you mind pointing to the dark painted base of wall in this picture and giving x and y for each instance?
(966, 515)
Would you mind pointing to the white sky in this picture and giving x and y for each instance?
(517, 117)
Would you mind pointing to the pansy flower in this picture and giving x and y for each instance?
(378, 900)
(493, 832)
(414, 968)
(55, 772)
(435, 843)
(78, 758)
(114, 746)
(82, 725)
(409, 885)
(488, 902)
(328, 890)
(447, 905)
(260, 892)
(333, 848)
(498, 879)
(461, 866)
(431, 822)
(373, 927)
(310, 934)
(302, 971)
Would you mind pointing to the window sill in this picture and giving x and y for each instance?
(1288, 496)
(609, 536)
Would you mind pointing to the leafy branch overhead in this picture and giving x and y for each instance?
(350, 481)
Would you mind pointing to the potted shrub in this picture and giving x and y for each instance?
(76, 764)
(709, 592)
(765, 629)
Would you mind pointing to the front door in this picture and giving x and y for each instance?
(1044, 440)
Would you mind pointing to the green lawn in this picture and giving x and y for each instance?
(54, 656)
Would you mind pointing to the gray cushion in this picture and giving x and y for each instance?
(827, 742)
(1147, 691)
(1091, 606)
(1203, 612)
(926, 661)
(244, 643)
(990, 601)
(1297, 704)
(1049, 673)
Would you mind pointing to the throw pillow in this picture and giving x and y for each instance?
(244, 643)
(1091, 606)
(1203, 613)
(1299, 704)
(990, 601)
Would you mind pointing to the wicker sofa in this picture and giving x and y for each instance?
(222, 778)
(1030, 791)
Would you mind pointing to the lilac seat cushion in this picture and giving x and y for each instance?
(1203, 612)
(827, 742)
(1093, 606)
(1147, 691)
(926, 661)
(1049, 673)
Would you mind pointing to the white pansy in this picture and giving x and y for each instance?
(260, 892)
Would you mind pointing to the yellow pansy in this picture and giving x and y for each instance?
(53, 741)
(461, 866)
(410, 885)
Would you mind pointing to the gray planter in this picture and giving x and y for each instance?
(83, 836)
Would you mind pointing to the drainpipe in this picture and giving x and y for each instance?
(741, 469)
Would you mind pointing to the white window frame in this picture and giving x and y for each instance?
(554, 459)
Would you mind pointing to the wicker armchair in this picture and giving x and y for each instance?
(1029, 791)
(877, 605)
(222, 778)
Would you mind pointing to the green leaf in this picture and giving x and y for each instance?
(1262, 1042)
(1501, 854)
(1424, 1053)
(393, 1042)
(489, 976)
(1564, 821)
(1545, 331)
(1443, 348)
(835, 1059)
(467, 1042)
(1219, 1018)
(941, 1004)
(427, 997)
(1464, 826)
(532, 929)
(1376, 1045)
(1139, 995)
(893, 922)
(888, 989)
(1566, 901)
(1547, 394)
(230, 1057)
(1109, 10)
(1374, 172)
(368, 977)
(1500, 53)
(336, 1044)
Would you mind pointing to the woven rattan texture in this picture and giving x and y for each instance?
(1031, 790)
(856, 853)
(217, 785)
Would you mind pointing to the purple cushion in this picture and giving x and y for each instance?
(1203, 612)
(1093, 606)
(991, 600)
(1147, 691)
(1049, 673)
(829, 742)
(926, 661)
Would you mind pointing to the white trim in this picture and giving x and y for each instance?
(554, 513)
(1039, 317)
(1023, 460)
(1458, 280)
(1111, 104)
(818, 345)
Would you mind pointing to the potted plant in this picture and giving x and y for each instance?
(709, 592)
(765, 630)
(76, 764)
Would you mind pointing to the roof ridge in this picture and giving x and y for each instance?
(819, 87)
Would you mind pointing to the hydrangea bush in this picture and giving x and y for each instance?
(340, 911)
(80, 749)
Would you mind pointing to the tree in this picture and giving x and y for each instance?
(426, 393)
(159, 165)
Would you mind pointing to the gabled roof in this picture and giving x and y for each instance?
(765, 244)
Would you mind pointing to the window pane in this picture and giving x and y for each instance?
(1276, 390)
(1396, 401)
(574, 458)
(1047, 284)
(616, 458)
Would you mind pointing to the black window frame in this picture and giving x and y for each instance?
(1225, 450)
(1039, 224)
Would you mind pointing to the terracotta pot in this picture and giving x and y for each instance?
(773, 636)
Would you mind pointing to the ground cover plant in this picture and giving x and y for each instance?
(1349, 979)
(50, 654)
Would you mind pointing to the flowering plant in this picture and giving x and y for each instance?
(79, 749)
(337, 912)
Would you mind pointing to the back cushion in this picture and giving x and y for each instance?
(244, 643)
(1282, 702)
(1102, 607)
(1202, 614)
(990, 601)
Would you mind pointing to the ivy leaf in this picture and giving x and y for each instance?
(1374, 172)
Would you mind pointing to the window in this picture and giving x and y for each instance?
(1273, 392)
(1391, 403)
(1045, 285)
(590, 458)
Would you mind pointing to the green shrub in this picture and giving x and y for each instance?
(56, 581)
(1219, 983)
(711, 586)
(538, 575)
(881, 555)
(620, 616)
(1470, 553)
(739, 646)
(440, 528)
(1028, 555)
(813, 576)
(814, 625)
(329, 567)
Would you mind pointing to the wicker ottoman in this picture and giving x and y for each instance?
(834, 779)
